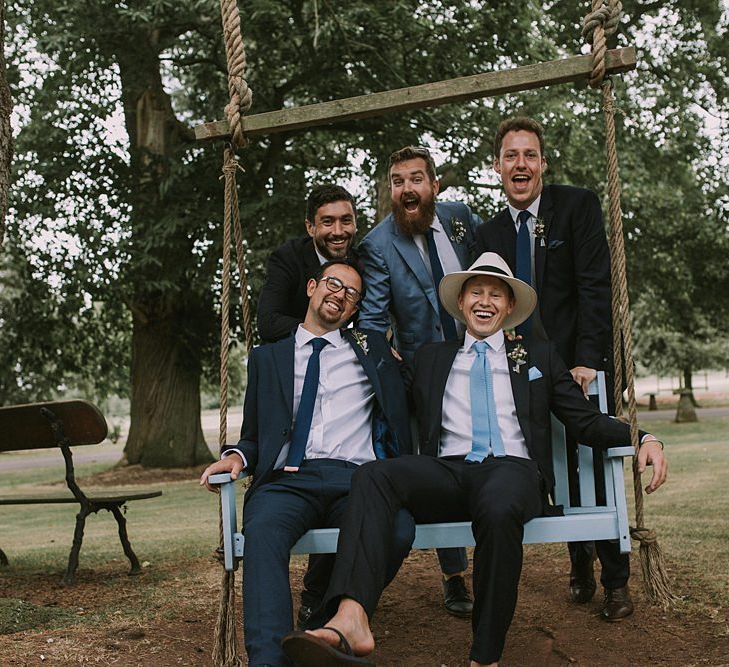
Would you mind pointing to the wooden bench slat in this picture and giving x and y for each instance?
(24, 427)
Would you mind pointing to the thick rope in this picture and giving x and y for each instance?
(225, 649)
(240, 94)
(603, 21)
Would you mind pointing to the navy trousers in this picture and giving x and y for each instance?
(274, 518)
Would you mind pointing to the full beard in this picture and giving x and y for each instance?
(414, 224)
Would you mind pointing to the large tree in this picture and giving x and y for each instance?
(136, 216)
(6, 137)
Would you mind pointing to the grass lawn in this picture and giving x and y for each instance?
(175, 534)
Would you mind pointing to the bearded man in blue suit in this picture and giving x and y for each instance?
(404, 259)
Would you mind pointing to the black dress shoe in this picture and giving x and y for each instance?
(582, 581)
(617, 604)
(457, 599)
(302, 618)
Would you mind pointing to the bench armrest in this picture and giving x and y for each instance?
(618, 452)
(228, 514)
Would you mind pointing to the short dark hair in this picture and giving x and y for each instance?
(327, 193)
(413, 153)
(347, 262)
(514, 124)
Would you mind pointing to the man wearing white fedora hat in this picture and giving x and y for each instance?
(483, 416)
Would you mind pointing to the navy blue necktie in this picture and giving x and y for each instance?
(304, 414)
(446, 321)
(524, 262)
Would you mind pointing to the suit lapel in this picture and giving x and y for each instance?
(546, 213)
(410, 254)
(520, 389)
(311, 260)
(441, 369)
(367, 362)
(283, 358)
(507, 237)
(461, 249)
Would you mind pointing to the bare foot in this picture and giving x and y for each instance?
(351, 620)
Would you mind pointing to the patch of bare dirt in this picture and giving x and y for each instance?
(167, 616)
(123, 475)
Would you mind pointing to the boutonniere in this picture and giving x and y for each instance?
(361, 339)
(458, 229)
(540, 230)
(518, 355)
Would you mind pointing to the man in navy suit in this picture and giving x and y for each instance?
(331, 224)
(345, 391)
(483, 417)
(553, 237)
(404, 258)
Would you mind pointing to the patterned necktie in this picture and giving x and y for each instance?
(486, 431)
(524, 262)
(302, 425)
(446, 321)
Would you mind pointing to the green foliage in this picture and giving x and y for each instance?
(103, 224)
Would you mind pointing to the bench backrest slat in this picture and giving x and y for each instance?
(24, 427)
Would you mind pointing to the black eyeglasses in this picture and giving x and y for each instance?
(335, 285)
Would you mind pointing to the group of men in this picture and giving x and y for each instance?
(327, 431)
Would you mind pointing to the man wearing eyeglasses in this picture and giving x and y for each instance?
(342, 390)
(331, 224)
(404, 258)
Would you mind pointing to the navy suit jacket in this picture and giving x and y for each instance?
(268, 408)
(282, 302)
(400, 291)
(554, 391)
(572, 271)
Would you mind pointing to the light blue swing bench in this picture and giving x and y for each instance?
(586, 522)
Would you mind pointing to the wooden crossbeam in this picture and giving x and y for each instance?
(575, 68)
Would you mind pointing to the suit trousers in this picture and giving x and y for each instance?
(498, 495)
(615, 566)
(274, 518)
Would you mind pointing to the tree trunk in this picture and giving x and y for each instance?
(384, 201)
(689, 385)
(165, 426)
(685, 411)
(6, 136)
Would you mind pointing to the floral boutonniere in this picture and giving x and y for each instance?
(540, 230)
(518, 355)
(458, 229)
(361, 339)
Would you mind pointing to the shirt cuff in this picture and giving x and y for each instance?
(227, 452)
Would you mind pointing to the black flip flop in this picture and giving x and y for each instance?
(310, 651)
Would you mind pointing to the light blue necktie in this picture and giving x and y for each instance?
(524, 263)
(486, 432)
(305, 413)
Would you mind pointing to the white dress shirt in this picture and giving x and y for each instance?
(341, 426)
(456, 436)
(446, 254)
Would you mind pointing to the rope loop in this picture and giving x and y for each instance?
(644, 535)
(601, 22)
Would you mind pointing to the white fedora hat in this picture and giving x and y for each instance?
(489, 264)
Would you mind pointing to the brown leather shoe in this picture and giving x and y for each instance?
(617, 604)
(582, 581)
(457, 599)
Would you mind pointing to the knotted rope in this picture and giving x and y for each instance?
(225, 651)
(601, 22)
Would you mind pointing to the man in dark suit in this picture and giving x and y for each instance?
(483, 417)
(404, 258)
(331, 224)
(345, 390)
(553, 237)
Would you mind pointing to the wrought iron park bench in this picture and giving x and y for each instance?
(66, 424)
(588, 521)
